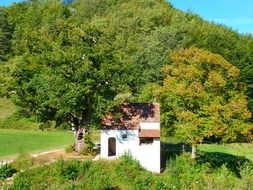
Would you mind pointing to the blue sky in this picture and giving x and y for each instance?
(7, 2)
(237, 14)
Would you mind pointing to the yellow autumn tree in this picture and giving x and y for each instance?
(201, 92)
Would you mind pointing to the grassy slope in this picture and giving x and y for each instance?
(17, 141)
(6, 108)
(14, 141)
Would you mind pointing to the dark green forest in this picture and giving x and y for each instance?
(72, 62)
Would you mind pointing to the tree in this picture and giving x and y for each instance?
(201, 94)
(69, 74)
(119, 46)
(144, 32)
(5, 35)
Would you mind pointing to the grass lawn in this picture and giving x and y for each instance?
(172, 146)
(237, 149)
(13, 142)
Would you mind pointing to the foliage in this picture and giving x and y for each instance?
(180, 173)
(6, 171)
(202, 97)
(217, 159)
(100, 174)
(68, 171)
(127, 168)
(69, 149)
(89, 148)
(18, 123)
(5, 34)
(23, 162)
(68, 74)
(12, 117)
(70, 61)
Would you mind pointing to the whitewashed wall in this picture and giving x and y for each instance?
(150, 125)
(147, 154)
(130, 144)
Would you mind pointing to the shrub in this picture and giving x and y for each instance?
(181, 173)
(89, 147)
(98, 177)
(88, 151)
(68, 170)
(47, 125)
(159, 184)
(85, 166)
(246, 182)
(45, 177)
(21, 182)
(128, 168)
(22, 162)
(220, 179)
(15, 121)
(6, 171)
(143, 181)
(218, 159)
(69, 149)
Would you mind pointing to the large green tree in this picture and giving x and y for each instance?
(51, 41)
(143, 32)
(69, 73)
(202, 96)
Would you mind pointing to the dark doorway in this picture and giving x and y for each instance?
(111, 146)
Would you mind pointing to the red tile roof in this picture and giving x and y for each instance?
(152, 133)
(129, 115)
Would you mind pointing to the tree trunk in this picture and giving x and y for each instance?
(194, 151)
(81, 126)
(79, 140)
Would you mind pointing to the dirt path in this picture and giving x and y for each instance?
(60, 153)
(49, 156)
(44, 158)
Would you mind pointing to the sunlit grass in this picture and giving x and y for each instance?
(13, 142)
(237, 149)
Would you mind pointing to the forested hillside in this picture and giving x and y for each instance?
(70, 62)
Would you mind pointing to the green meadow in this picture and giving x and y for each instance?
(236, 149)
(13, 142)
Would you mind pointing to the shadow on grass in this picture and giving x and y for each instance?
(217, 159)
(170, 151)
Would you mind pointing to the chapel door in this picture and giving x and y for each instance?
(112, 146)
